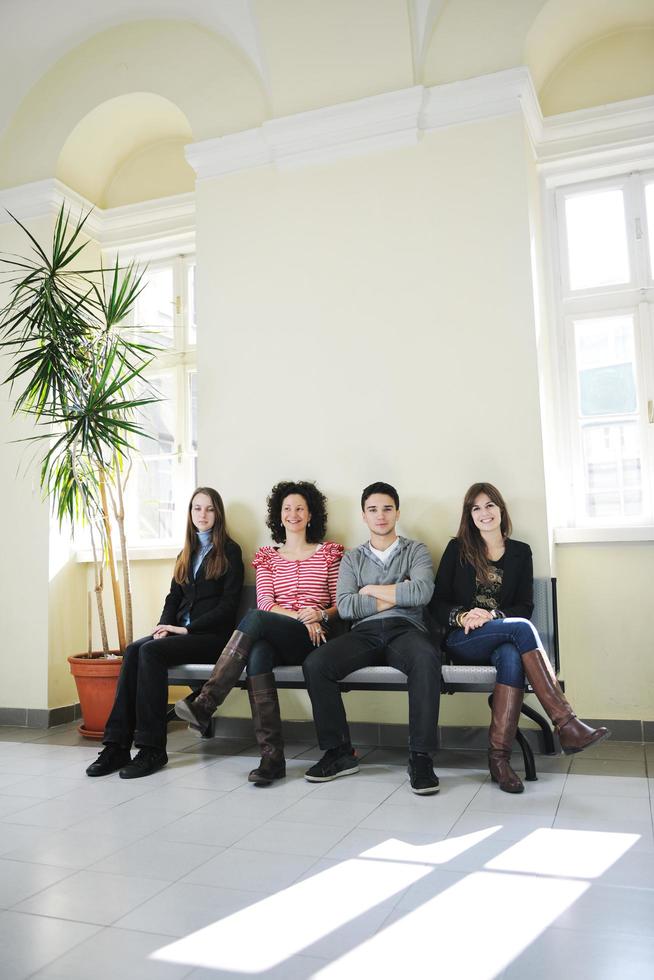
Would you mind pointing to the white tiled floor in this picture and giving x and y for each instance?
(194, 873)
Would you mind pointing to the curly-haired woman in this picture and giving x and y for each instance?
(296, 603)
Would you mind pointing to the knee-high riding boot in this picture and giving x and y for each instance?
(507, 702)
(574, 734)
(264, 703)
(198, 711)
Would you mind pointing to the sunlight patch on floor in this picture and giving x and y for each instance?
(505, 906)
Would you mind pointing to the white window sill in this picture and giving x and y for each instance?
(152, 552)
(589, 535)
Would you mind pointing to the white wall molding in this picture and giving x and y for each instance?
(398, 118)
(42, 199)
(602, 137)
(169, 219)
(473, 99)
(228, 154)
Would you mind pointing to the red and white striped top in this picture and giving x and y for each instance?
(295, 584)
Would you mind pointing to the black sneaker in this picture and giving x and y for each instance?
(112, 758)
(146, 761)
(424, 780)
(334, 763)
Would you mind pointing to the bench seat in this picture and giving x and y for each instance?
(456, 678)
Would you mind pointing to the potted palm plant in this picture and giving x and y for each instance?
(74, 370)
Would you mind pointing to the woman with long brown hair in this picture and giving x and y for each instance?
(484, 597)
(197, 618)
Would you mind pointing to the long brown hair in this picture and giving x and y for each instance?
(471, 543)
(216, 562)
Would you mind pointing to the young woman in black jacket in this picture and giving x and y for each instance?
(197, 619)
(484, 597)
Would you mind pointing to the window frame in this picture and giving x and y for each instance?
(634, 298)
(179, 362)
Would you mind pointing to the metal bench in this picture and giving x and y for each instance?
(455, 678)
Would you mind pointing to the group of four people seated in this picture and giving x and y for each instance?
(481, 597)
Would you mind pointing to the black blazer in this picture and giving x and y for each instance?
(456, 583)
(212, 604)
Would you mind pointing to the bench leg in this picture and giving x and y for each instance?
(528, 756)
(550, 747)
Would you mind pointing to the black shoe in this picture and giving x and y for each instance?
(334, 763)
(424, 780)
(189, 711)
(268, 771)
(146, 761)
(112, 758)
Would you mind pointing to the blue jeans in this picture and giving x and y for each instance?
(499, 643)
(277, 640)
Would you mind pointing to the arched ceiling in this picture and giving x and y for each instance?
(209, 81)
(48, 31)
(562, 26)
(112, 133)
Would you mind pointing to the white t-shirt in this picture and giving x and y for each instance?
(385, 556)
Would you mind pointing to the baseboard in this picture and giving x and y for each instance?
(39, 717)
(449, 736)
(363, 732)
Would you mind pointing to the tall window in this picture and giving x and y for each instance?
(165, 467)
(605, 286)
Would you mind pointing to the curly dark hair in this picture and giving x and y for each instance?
(316, 502)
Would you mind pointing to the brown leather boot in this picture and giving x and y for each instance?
(264, 703)
(507, 702)
(574, 734)
(198, 712)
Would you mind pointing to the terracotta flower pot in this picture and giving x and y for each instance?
(96, 678)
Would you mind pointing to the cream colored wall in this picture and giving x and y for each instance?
(605, 591)
(24, 536)
(610, 69)
(372, 319)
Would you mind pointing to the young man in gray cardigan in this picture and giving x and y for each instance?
(383, 587)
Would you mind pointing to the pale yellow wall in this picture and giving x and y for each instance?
(610, 69)
(24, 536)
(607, 650)
(393, 292)
(67, 630)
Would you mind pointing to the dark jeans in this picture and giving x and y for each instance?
(499, 643)
(141, 704)
(277, 639)
(393, 642)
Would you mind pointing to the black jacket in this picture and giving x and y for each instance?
(212, 604)
(456, 583)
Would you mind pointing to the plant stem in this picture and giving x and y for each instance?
(118, 602)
